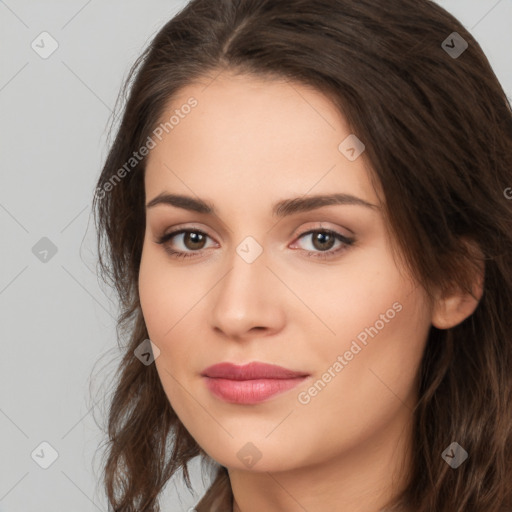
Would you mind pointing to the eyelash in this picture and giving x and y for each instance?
(346, 243)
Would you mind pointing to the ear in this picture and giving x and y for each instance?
(453, 307)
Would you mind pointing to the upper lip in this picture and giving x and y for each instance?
(250, 371)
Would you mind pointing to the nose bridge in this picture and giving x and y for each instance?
(243, 299)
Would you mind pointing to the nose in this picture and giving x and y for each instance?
(248, 300)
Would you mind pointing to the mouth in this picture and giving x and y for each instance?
(251, 383)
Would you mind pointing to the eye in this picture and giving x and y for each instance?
(192, 239)
(323, 241)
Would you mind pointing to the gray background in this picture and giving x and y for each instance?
(57, 320)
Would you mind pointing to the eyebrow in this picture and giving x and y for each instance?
(282, 208)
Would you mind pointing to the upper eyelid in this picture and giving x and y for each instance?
(295, 232)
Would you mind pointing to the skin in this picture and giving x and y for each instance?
(248, 144)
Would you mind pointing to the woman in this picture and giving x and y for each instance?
(306, 219)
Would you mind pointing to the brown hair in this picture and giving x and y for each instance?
(438, 135)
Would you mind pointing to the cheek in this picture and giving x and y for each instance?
(377, 383)
(353, 303)
(162, 291)
(380, 322)
(169, 299)
(162, 307)
(158, 299)
(150, 294)
(390, 324)
(383, 347)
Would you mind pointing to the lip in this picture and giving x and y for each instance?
(250, 383)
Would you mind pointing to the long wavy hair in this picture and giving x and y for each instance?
(438, 134)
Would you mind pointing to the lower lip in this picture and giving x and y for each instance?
(249, 391)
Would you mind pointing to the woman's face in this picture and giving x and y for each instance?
(267, 278)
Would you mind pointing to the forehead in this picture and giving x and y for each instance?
(246, 135)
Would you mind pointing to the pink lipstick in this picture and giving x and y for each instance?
(251, 383)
